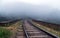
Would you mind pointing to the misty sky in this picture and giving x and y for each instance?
(44, 10)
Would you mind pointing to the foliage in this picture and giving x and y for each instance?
(4, 33)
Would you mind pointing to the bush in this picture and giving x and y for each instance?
(4, 33)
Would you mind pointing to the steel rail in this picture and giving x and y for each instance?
(24, 29)
(43, 30)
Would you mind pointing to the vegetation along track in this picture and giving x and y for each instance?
(20, 32)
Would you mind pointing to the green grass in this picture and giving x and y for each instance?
(4, 33)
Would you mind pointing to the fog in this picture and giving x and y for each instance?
(43, 12)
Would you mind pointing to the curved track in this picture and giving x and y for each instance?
(33, 32)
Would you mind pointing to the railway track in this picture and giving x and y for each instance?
(33, 32)
(29, 31)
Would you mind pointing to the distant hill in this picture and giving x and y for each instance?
(7, 18)
(3, 19)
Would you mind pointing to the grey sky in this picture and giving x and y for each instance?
(45, 10)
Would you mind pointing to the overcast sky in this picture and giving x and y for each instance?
(45, 10)
(49, 3)
(52, 3)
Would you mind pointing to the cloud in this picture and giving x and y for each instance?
(52, 3)
(39, 9)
